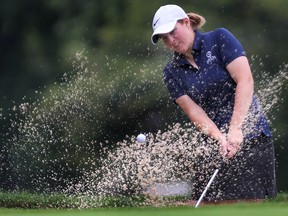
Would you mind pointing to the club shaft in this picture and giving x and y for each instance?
(206, 188)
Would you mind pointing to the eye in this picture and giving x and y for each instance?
(173, 31)
(164, 38)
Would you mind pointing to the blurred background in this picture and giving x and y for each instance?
(89, 74)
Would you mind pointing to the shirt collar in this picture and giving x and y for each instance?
(199, 36)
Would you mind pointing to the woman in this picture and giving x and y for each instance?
(209, 77)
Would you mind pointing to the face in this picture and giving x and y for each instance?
(180, 39)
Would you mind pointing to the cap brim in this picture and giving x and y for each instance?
(162, 29)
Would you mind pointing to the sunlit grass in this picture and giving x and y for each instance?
(25, 200)
(235, 210)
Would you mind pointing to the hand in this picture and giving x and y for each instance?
(234, 139)
(232, 150)
(223, 146)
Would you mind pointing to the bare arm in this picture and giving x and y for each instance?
(240, 71)
(200, 119)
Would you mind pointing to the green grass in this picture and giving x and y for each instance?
(25, 204)
(266, 209)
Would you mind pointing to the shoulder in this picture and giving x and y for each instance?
(169, 68)
(175, 61)
(213, 36)
(221, 33)
(225, 35)
(217, 31)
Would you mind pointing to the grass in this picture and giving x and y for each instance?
(227, 210)
(58, 200)
(25, 204)
(31, 201)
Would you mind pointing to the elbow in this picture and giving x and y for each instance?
(249, 82)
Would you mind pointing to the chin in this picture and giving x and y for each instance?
(182, 49)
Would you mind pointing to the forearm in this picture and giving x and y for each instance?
(199, 118)
(208, 127)
(202, 121)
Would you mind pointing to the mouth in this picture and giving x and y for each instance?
(175, 46)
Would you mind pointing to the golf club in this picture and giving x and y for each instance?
(206, 188)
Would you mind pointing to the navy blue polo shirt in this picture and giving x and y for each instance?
(211, 85)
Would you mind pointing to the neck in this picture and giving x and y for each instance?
(191, 60)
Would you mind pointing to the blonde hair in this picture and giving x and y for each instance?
(197, 21)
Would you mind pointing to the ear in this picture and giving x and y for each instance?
(186, 21)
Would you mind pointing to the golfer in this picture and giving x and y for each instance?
(210, 78)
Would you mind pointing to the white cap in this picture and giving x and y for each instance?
(165, 19)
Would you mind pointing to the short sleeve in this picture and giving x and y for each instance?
(228, 46)
(174, 87)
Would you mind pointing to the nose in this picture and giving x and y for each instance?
(169, 40)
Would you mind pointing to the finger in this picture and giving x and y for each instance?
(235, 141)
(230, 147)
(224, 151)
(232, 153)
